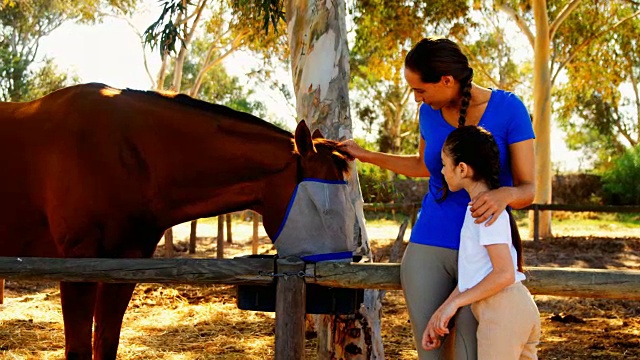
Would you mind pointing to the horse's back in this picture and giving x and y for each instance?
(63, 160)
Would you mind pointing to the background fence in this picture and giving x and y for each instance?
(412, 209)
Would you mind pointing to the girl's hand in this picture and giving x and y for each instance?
(438, 326)
(441, 318)
(490, 204)
(352, 149)
(430, 341)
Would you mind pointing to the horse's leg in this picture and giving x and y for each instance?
(111, 304)
(78, 300)
(113, 299)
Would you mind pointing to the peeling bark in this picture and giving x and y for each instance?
(320, 71)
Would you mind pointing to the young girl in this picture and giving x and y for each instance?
(489, 261)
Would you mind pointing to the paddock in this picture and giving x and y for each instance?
(203, 334)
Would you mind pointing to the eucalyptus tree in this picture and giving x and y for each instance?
(542, 22)
(320, 70)
(600, 101)
(23, 24)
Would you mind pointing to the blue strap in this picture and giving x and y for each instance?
(340, 182)
(329, 256)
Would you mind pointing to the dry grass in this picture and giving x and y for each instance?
(182, 322)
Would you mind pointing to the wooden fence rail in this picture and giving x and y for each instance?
(613, 284)
(412, 208)
(291, 289)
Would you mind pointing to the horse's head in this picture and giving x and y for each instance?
(319, 221)
(319, 157)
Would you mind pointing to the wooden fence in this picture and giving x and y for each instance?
(412, 208)
(292, 275)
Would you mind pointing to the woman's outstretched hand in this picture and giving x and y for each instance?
(490, 204)
(352, 149)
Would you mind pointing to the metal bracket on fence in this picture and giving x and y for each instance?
(285, 275)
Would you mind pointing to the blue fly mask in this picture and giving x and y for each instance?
(319, 222)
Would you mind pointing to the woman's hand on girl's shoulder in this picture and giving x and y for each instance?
(488, 205)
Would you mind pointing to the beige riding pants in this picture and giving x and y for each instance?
(508, 325)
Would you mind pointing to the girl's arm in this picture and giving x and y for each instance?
(409, 165)
(431, 334)
(491, 203)
(502, 275)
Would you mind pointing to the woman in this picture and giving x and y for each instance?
(439, 75)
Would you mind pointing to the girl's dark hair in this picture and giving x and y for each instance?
(434, 58)
(477, 148)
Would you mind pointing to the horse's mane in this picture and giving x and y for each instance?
(340, 158)
(214, 108)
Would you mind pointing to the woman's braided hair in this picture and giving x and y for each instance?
(434, 58)
(476, 147)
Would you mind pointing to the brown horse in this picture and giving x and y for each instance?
(93, 171)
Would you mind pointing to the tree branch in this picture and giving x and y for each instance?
(564, 13)
(406, 95)
(520, 22)
(144, 55)
(588, 41)
(180, 22)
(634, 83)
(235, 44)
(198, 11)
(623, 131)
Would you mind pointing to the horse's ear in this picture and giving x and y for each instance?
(317, 134)
(304, 143)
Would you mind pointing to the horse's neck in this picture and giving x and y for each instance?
(219, 166)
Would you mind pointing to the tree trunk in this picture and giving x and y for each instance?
(542, 114)
(320, 68)
(227, 218)
(193, 236)
(220, 239)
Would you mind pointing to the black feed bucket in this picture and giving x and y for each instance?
(320, 299)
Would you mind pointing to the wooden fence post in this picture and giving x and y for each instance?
(256, 227)
(168, 243)
(290, 309)
(536, 222)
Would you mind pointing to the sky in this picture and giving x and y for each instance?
(111, 53)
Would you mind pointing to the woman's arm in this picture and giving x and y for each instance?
(500, 277)
(491, 203)
(409, 165)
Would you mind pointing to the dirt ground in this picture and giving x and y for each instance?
(183, 322)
